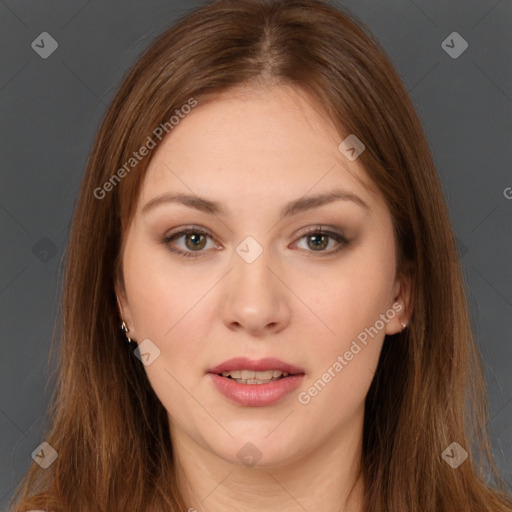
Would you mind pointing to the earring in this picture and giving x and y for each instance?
(126, 331)
(404, 324)
(123, 324)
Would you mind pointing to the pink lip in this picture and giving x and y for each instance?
(256, 395)
(243, 363)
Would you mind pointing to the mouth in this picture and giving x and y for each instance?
(252, 377)
(256, 383)
(250, 371)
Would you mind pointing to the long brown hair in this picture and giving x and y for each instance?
(106, 423)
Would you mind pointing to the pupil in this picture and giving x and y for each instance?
(195, 238)
(323, 237)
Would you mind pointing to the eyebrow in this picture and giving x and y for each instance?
(292, 208)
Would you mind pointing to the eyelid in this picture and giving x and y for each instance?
(321, 227)
(186, 228)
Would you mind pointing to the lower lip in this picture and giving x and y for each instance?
(256, 395)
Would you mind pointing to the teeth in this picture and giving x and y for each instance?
(236, 374)
(254, 381)
(252, 377)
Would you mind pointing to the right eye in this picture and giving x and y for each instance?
(195, 238)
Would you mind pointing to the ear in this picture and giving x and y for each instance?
(402, 303)
(124, 310)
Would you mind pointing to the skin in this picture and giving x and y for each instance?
(254, 150)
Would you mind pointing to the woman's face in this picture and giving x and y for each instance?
(257, 285)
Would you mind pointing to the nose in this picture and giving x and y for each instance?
(256, 297)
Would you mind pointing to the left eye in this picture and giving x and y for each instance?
(319, 240)
(195, 241)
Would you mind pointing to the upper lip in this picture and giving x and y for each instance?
(267, 363)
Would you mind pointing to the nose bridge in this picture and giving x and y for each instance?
(255, 298)
(252, 274)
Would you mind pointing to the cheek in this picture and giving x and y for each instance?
(346, 355)
(344, 362)
(350, 296)
(335, 395)
(162, 295)
(349, 316)
(165, 304)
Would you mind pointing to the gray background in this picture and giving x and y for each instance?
(51, 109)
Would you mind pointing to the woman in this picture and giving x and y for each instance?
(261, 216)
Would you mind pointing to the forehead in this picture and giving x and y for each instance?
(270, 144)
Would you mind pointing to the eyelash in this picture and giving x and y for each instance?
(317, 230)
